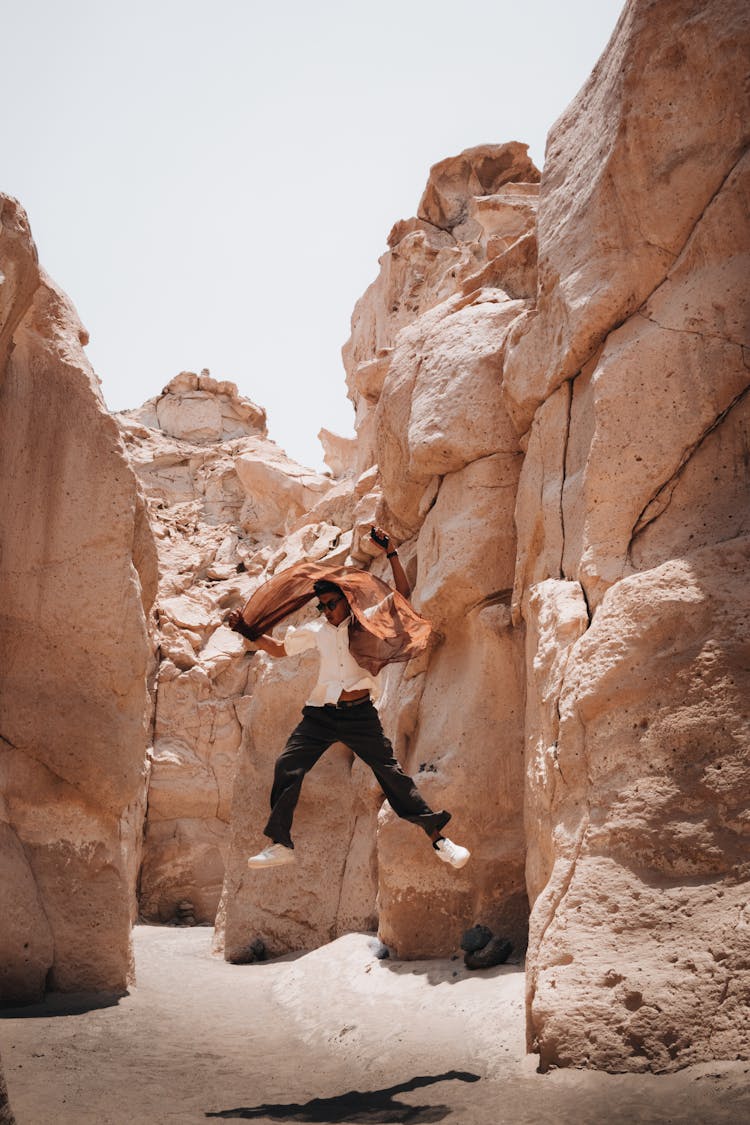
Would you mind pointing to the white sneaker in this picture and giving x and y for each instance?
(452, 853)
(275, 855)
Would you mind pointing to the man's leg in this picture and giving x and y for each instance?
(305, 745)
(361, 731)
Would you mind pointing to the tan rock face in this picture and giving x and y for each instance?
(474, 230)
(424, 369)
(331, 888)
(457, 184)
(6, 1114)
(589, 733)
(652, 148)
(78, 577)
(221, 498)
(639, 942)
(630, 378)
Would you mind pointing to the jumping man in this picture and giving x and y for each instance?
(341, 706)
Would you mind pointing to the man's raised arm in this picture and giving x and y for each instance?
(264, 642)
(383, 542)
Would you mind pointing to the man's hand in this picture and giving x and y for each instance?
(381, 539)
(264, 642)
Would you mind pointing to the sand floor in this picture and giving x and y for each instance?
(333, 1036)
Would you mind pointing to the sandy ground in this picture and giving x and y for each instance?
(333, 1036)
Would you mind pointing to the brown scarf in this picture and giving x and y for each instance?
(393, 634)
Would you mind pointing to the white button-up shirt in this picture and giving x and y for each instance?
(338, 669)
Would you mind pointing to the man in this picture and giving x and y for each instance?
(354, 640)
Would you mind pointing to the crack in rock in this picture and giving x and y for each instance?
(662, 498)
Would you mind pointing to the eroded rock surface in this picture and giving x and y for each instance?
(437, 461)
(222, 498)
(78, 576)
(424, 369)
(630, 379)
(6, 1113)
(551, 392)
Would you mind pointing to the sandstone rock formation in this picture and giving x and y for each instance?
(77, 575)
(221, 498)
(449, 461)
(332, 888)
(437, 459)
(596, 404)
(630, 380)
(6, 1114)
(550, 383)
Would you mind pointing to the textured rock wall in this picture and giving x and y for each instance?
(437, 460)
(332, 888)
(221, 500)
(629, 381)
(6, 1113)
(449, 462)
(574, 428)
(551, 393)
(77, 578)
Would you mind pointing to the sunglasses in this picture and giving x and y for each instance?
(326, 607)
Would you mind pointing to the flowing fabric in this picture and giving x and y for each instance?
(392, 633)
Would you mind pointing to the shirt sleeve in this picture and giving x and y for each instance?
(298, 638)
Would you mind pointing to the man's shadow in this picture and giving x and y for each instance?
(370, 1107)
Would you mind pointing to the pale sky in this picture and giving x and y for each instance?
(213, 183)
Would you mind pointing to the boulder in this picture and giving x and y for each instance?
(476, 172)
(6, 1114)
(636, 959)
(496, 952)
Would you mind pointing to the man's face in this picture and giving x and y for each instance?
(334, 607)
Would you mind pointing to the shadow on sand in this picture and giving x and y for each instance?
(63, 1004)
(370, 1107)
(449, 972)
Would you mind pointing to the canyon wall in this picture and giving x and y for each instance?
(6, 1113)
(433, 327)
(550, 381)
(77, 578)
(221, 498)
(437, 462)
(550, 385)
(628, 380)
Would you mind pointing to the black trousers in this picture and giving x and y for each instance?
(358, 728)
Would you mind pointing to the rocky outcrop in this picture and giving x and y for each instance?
(576, 430)
(629, 377)
(222, 499)
(475, 226)
(331, 890)
(6, 1113)
(78, 576)
(449, 460)
(550, 383)
(437, 460)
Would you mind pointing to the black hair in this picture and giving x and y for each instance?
(323, 586)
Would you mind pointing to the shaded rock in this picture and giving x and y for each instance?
(221, 496)
(476, 938)
(630, 380)
(254, 952)
(495, 952)
(649, 826)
